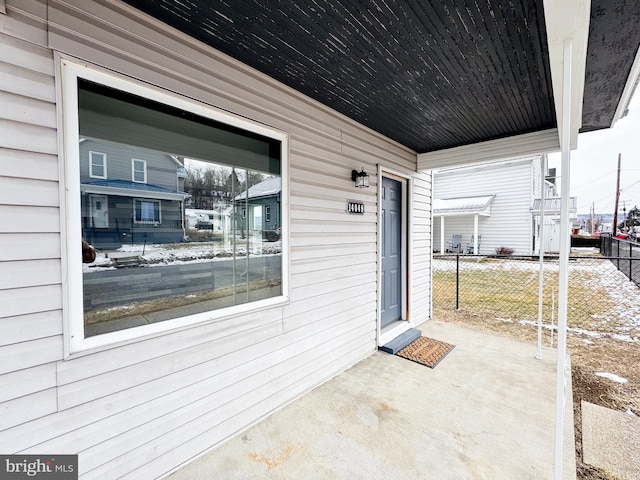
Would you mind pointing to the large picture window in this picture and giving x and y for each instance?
(180, 236)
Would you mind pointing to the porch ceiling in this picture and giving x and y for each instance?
(430, 75)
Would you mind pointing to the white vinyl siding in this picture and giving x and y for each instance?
(420, 222)
(141, 409)
(31, 324)
(510, 222)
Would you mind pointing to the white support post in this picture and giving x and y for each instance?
(442, 247)
(475, 234)
(563, 280)
(543, 167)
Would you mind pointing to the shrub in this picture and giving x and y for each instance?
(504, 251)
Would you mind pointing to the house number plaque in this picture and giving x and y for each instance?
(355, 208)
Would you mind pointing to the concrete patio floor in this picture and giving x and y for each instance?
(485, 412)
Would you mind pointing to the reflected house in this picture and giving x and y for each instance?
(258, 209)
(130, 195)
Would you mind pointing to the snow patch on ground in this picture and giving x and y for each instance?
(624, 312)
(159, 255)
(612, 376)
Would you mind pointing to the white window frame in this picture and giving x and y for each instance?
(104, 164)
(133, 170)
(73, 309)
(147, 222)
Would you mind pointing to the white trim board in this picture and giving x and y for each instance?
(404, 322)
(629, 88)
(76, 343)
(568, 20)
(535, 143)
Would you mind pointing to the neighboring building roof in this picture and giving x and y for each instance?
(463, 206)
(182, 172)
(493, 164)
(266, 188)
(127, 188)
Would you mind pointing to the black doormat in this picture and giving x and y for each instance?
(426, 351)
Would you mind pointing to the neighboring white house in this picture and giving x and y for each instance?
(497, 202)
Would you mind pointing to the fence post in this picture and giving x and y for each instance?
(618, 254)
(457, 281)
(630, 262)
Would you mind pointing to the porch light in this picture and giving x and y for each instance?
(361, 178)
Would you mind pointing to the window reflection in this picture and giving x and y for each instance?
(175, 235)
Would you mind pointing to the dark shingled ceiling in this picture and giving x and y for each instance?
(428, 74)
(614, 36)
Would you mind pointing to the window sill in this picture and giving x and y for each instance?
(120, 338)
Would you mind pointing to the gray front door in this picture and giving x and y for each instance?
(391, 251)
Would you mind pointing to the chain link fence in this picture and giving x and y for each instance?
(602, 301)
(625, 254)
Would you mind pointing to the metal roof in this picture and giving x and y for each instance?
(430, 74)
(463, 206)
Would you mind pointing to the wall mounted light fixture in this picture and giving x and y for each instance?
(361, 178)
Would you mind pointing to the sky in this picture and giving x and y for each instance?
(594, 165)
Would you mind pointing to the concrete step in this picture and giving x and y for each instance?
(401, 341)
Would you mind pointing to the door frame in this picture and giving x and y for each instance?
(92, 198)
(404, 324)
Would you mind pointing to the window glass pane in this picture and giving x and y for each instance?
(195, 236)
(98, 164)
(147, 211)
(139, 170)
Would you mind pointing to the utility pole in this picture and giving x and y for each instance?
(614, 229)
(593, 208)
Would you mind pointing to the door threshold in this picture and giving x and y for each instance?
(393, 330)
